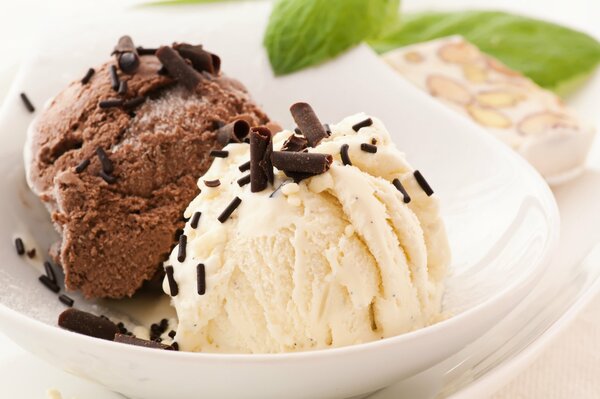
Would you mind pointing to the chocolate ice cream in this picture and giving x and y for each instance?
(115, 158)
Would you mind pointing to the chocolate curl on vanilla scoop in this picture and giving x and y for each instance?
(261, 167)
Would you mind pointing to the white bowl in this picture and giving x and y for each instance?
(501, 217)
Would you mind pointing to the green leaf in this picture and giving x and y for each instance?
(302, 33)
(551, 55)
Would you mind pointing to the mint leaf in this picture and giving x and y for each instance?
(551, 55)
(302, 33)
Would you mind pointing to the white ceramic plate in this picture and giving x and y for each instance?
(502, 219)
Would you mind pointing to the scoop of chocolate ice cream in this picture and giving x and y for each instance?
(118, 218)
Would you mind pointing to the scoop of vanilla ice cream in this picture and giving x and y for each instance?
(337, 259)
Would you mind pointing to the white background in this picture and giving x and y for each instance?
(569, 368)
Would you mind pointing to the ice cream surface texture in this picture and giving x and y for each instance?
(337, 259)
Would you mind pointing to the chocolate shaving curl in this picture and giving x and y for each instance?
(87, 324)
(261, 166)
(127, 55)
(302, 162)
(309, 123)
(178, 67)
(295, 143)
(234, 132)
(129, 340)
(201, 60)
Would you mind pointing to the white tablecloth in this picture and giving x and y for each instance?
(569, 368)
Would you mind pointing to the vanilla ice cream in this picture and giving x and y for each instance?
(337, 259)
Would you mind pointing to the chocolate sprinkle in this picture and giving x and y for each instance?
(127, 56)
(365, 123)
(303, 162)
(114, 77)
(201, 277)
(82, 166)
(368, 148)
(244, 167)
(50, 271)
(51, 285)
(172, 334)
(212, 183)
(107, 165)
(134, 102)
(87, 324)
(309, 123)
(66, 300)
(175, 346)
(195, 220)
(110, 179)
(20, 247)
(295, 144)
(242, 181)
(423, 183)
(400, 187)
(27, 102)
(234, 132)
(178, 68)
(181, 252)
(88, 75)
(172, 283)
(219, 154)
(122, 88)
(229, 210)
(298, 131)
(261, 167)
(129, 340)
(344, 154)
(114, 102)
(31, 253)
(373, 141)
(145, 51)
